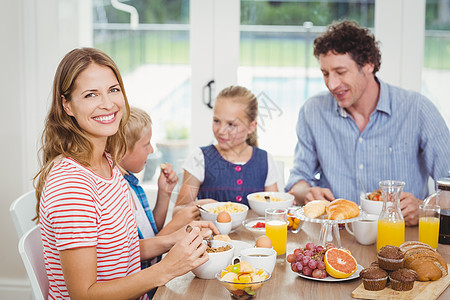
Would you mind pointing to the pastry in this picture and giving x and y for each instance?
(374, 278)
(423, 259)
(341, 209)
(402, 279)
(390, 258)
(222, 237)
(315, 208)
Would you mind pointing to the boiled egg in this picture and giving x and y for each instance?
(263, 242)
(223, 217)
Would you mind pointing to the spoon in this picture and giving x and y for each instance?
(362, 186)
(208, 239)
(201, 208)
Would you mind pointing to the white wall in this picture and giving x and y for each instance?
(35, 35)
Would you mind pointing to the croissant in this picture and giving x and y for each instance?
(341, 209)
(423, 259)
(315, 208)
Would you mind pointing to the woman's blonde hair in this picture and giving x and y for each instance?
(242, 95)
(62, 137)
(138, 121)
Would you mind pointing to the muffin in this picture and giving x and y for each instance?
(403, 279)
(390, 258)
(374, 278)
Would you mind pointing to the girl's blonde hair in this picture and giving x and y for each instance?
(138, 121)
(62, 136)
(242, 95)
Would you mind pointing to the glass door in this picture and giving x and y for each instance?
(149, 41)
(277, 63)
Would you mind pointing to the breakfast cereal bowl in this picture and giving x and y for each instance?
(242, 290)
(258, 203)
(217, 261)
(372, 207)
(238, 212)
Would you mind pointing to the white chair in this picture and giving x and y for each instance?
(32, 253)
(22, 211)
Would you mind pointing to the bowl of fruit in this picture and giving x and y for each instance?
(257, 226)
(372, 203)
(242, 280)
(294, 221)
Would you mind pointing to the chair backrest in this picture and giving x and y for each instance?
(32, 253)
(22, 210)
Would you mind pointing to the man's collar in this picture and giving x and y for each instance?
(383, 105)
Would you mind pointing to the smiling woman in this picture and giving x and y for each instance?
(81, 186)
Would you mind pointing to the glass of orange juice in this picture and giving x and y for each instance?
(276, 230)
(429, 224)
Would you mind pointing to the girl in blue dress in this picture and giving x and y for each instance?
(233, 167)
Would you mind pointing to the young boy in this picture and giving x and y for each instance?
(138, 132)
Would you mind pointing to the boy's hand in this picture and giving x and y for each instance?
(167, 179)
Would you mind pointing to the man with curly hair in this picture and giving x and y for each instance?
(363, 130)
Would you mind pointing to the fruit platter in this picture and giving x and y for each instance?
(324, 263)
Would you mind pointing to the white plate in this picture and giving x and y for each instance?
(332, 279)
(240, 245)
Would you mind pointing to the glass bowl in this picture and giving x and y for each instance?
(242, 290)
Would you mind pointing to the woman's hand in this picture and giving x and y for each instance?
(187, 254)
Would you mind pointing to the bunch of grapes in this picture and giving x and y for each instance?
(309, 260)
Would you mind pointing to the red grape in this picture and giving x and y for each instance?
(312, 264)
(308, 253)
(321, 265)
(317, 273)
(290, 258)
(299, 266)
(309, 246)
(307, 271)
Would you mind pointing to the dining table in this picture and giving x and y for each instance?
(284, 283)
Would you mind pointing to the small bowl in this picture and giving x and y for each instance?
(242, 290)
(258, 231)
(217, 261)
(259, 206)
(294, 222)
(224, 228)
(371, 206)
(236, 218)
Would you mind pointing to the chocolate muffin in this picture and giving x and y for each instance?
(403, 279)
(390, 258)
(374, 278)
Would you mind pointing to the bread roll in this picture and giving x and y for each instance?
(315, 208)
(222, 237)
(423, 259)
(341, 209)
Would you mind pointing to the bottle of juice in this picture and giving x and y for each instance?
(391, 226)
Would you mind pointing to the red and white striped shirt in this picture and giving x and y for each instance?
(81, 209)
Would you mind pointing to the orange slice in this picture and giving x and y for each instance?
(339, 263)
